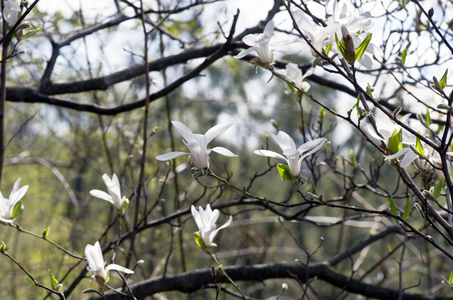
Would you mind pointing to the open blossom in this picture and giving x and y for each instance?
(318, 36)
(96, 264)
(205, 220)
(292, 155)
(294, 74)
(11, 11)
(262, 45)
(198, 145)
(386, 129)
(7, 211)
(114, 193)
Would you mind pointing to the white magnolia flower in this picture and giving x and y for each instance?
(11, 11)
(7, 214)
(318, 36)
(96, 264)
(262, 45)
(406, 155)
(386, 128)
(294, 74)
(205, 220)
(197, 144)
(114, 195)
(292, 155)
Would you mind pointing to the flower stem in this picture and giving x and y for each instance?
(222, 272)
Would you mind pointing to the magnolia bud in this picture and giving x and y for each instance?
(349, 43)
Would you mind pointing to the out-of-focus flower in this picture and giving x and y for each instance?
(96, 264)
(294, 74)
(114, 195)
(197, 144)
(292, 155)
(11, 11)
(207, 229)
(386, 128)
(261, 44)
(12, 207)
(318, 36)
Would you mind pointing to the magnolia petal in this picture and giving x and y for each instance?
(250, 39)
(18, 195)
(224, 151)
(284, 141)
(244, 52)
(118, 268)
(269, 28)
(197, 217)
(226, 224)
(93, 254)
(397, 154)
(269, 153)
(185, 131)
(408, 159)
(171, 155)
(15, 187)
(215, 131)
(313, 145)
(6, 220)
(101, 195)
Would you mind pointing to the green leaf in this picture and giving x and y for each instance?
(354, 162)
(407, 210)
(3, 247)
(361, 49)
(53, 281)
(395, 142)
(18, 209)
(443, 80)
(327, 50)
(428, 118)
(403, 56)
(450, 279)
(314, 188)
(199, 241)
(341, 46)
(285, 173)
(393, 207)
(31, 32)
(419, 147)
(438, 188)
(45, 232)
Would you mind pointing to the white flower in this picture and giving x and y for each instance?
(260, 43)
(406, 154)
(293, 156)
(114, 195)
(96, 264)
(205, 220)
(7, 211)
(386, 128)
(318, 36)
(294, 74)
(197, 144)
(11, 11)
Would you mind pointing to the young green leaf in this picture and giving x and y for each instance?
(199, 241)
(443, 80)
(407, 210)
(314, 188)
(284, 172)
(450, 279)
(327, 50)
(403, 57)
(393, 207)
(428, 118)
(18, 209)
(361, 49)
(53, 281)
(438, 188)
(31, 32)
(419, 147)
(341, 46)
(395, 142)
(353, 161)
(3, 247)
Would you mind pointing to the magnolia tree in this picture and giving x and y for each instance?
(336, 181)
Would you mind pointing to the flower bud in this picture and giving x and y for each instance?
(349, 43)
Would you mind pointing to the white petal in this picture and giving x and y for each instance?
(18, 195)
(284, 140)
(269, 153)
(244, 52)
(15, 187)
(197, 217)
(224, 151)
(215, 131)
(269, 28)
(101, 195)
(408, 159)
(171, 155)
(397, 154)
(118, 268)
(314, 144)
(185, 131)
